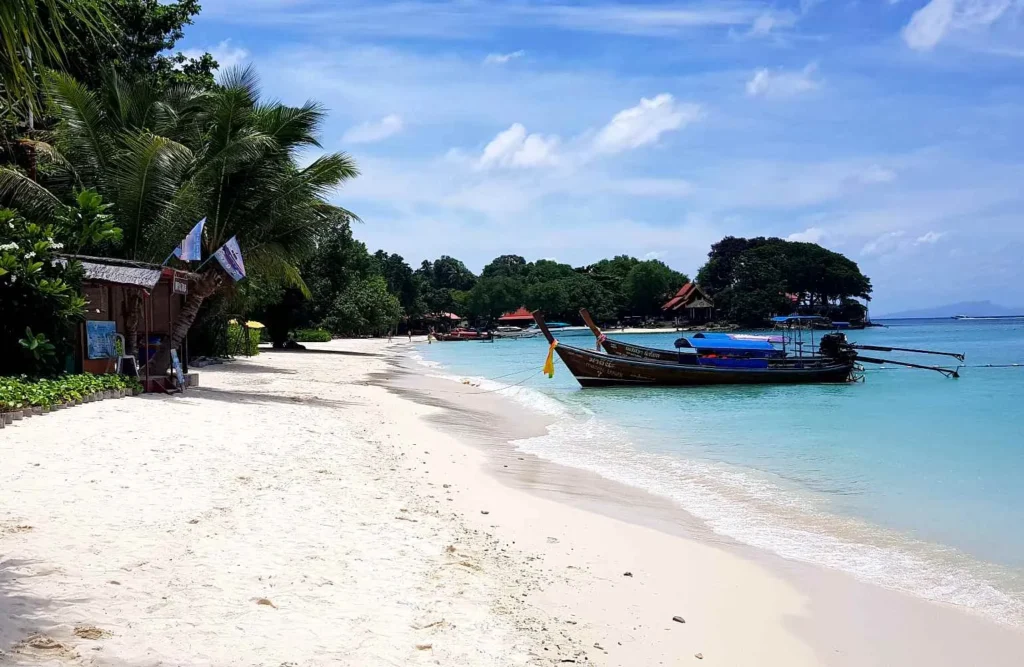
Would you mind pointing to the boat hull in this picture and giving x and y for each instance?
(593, 369)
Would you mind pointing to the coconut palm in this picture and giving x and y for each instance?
(32, 32)
(164, 160)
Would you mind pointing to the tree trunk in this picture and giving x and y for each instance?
(132, 305)
(198, 292)
(207, 284)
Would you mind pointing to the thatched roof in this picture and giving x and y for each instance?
(122, 275)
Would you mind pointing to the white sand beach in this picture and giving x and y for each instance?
(336, 509)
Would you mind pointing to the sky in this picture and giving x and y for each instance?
(888, 130)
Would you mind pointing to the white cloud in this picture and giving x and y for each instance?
(502, 58)
(883, 244)
(767, 23)
(225, 54)
(935, 21)
(645, 123)
(515, 148)
(766, 83)
(930, 237)
(877, 174)
(654, 255)
(809, 235)
(372, 131)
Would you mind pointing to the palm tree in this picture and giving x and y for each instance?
(164, 160)
(32, 32)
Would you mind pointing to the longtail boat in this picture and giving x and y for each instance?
(594, 369)
(722, 346)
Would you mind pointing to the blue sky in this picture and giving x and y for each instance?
(889, 130)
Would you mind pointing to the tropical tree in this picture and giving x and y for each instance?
(34, 33)
(166, 158)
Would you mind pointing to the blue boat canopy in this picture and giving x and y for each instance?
(797, 318)
(731, 344)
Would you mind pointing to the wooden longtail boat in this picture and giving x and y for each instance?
(593, 369)
(834, 348)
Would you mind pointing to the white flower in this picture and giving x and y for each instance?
(11, 225)
(30, 254)
(9, 246)
(14, 278)
(56, 246)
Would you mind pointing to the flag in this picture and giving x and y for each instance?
(549, 362)
(230, 257)
(191, 248)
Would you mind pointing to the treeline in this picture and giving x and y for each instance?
(753, 279)
(354, 292)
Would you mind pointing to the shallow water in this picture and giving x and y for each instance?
(909, 480)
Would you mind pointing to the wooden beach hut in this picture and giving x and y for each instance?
(118, 291)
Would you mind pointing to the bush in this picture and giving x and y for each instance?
(242, 342)
(20, 393)
(39, 299)
(313, 336)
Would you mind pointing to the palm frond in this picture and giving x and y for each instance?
(21, 192)
(82, 113)
(147, 172)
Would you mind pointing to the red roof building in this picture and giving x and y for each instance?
(520, 315)
(690, 296)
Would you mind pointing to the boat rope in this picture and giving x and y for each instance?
(468, 383)
(891, 368)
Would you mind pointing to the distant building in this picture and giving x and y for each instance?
(690, 303)
(517, 317)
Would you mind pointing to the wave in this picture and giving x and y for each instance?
(762, 510)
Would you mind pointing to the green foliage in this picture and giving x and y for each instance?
(38, 291)
(20, 393)
(147, 33)
(364, 307)
(37, 346)
(242, 341)
(37, 33)
(650, 284)
(313, 336)
(495, 295)
(751, 278)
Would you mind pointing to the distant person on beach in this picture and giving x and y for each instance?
(410, 334)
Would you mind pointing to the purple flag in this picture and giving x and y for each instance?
(230, 257)
(191, 249)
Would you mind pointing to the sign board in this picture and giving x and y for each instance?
(179, 283)
(99, 337)
(176, 365)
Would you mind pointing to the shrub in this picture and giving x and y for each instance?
(38, 291)
(21, 393)
(242, 341)
(313, 336)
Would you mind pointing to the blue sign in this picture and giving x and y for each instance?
(99, 338)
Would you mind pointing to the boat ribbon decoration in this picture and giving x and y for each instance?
(549, 363)
(600, 339)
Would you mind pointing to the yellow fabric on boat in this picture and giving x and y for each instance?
(549, 363)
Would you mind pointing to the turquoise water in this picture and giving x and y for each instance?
(909, 480)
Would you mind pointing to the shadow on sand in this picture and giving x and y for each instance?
(229, 396)
(348, 353)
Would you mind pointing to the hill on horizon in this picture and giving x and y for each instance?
(968, 308)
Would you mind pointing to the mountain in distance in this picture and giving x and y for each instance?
(968, 308)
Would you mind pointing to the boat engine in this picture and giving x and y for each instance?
(835, 346)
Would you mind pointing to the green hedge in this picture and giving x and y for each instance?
(313, 336)
(20, 393)
(237, 344)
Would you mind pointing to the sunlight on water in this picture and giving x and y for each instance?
(909, 480)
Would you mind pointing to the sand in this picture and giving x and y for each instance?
(339, 509)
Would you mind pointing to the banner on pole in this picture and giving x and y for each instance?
(230, 257)
(191, 248)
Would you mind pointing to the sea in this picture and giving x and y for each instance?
(909, 480)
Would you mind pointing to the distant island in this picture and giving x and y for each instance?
(967, 308)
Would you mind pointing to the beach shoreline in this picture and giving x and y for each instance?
(845, 621)
(344, 507)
